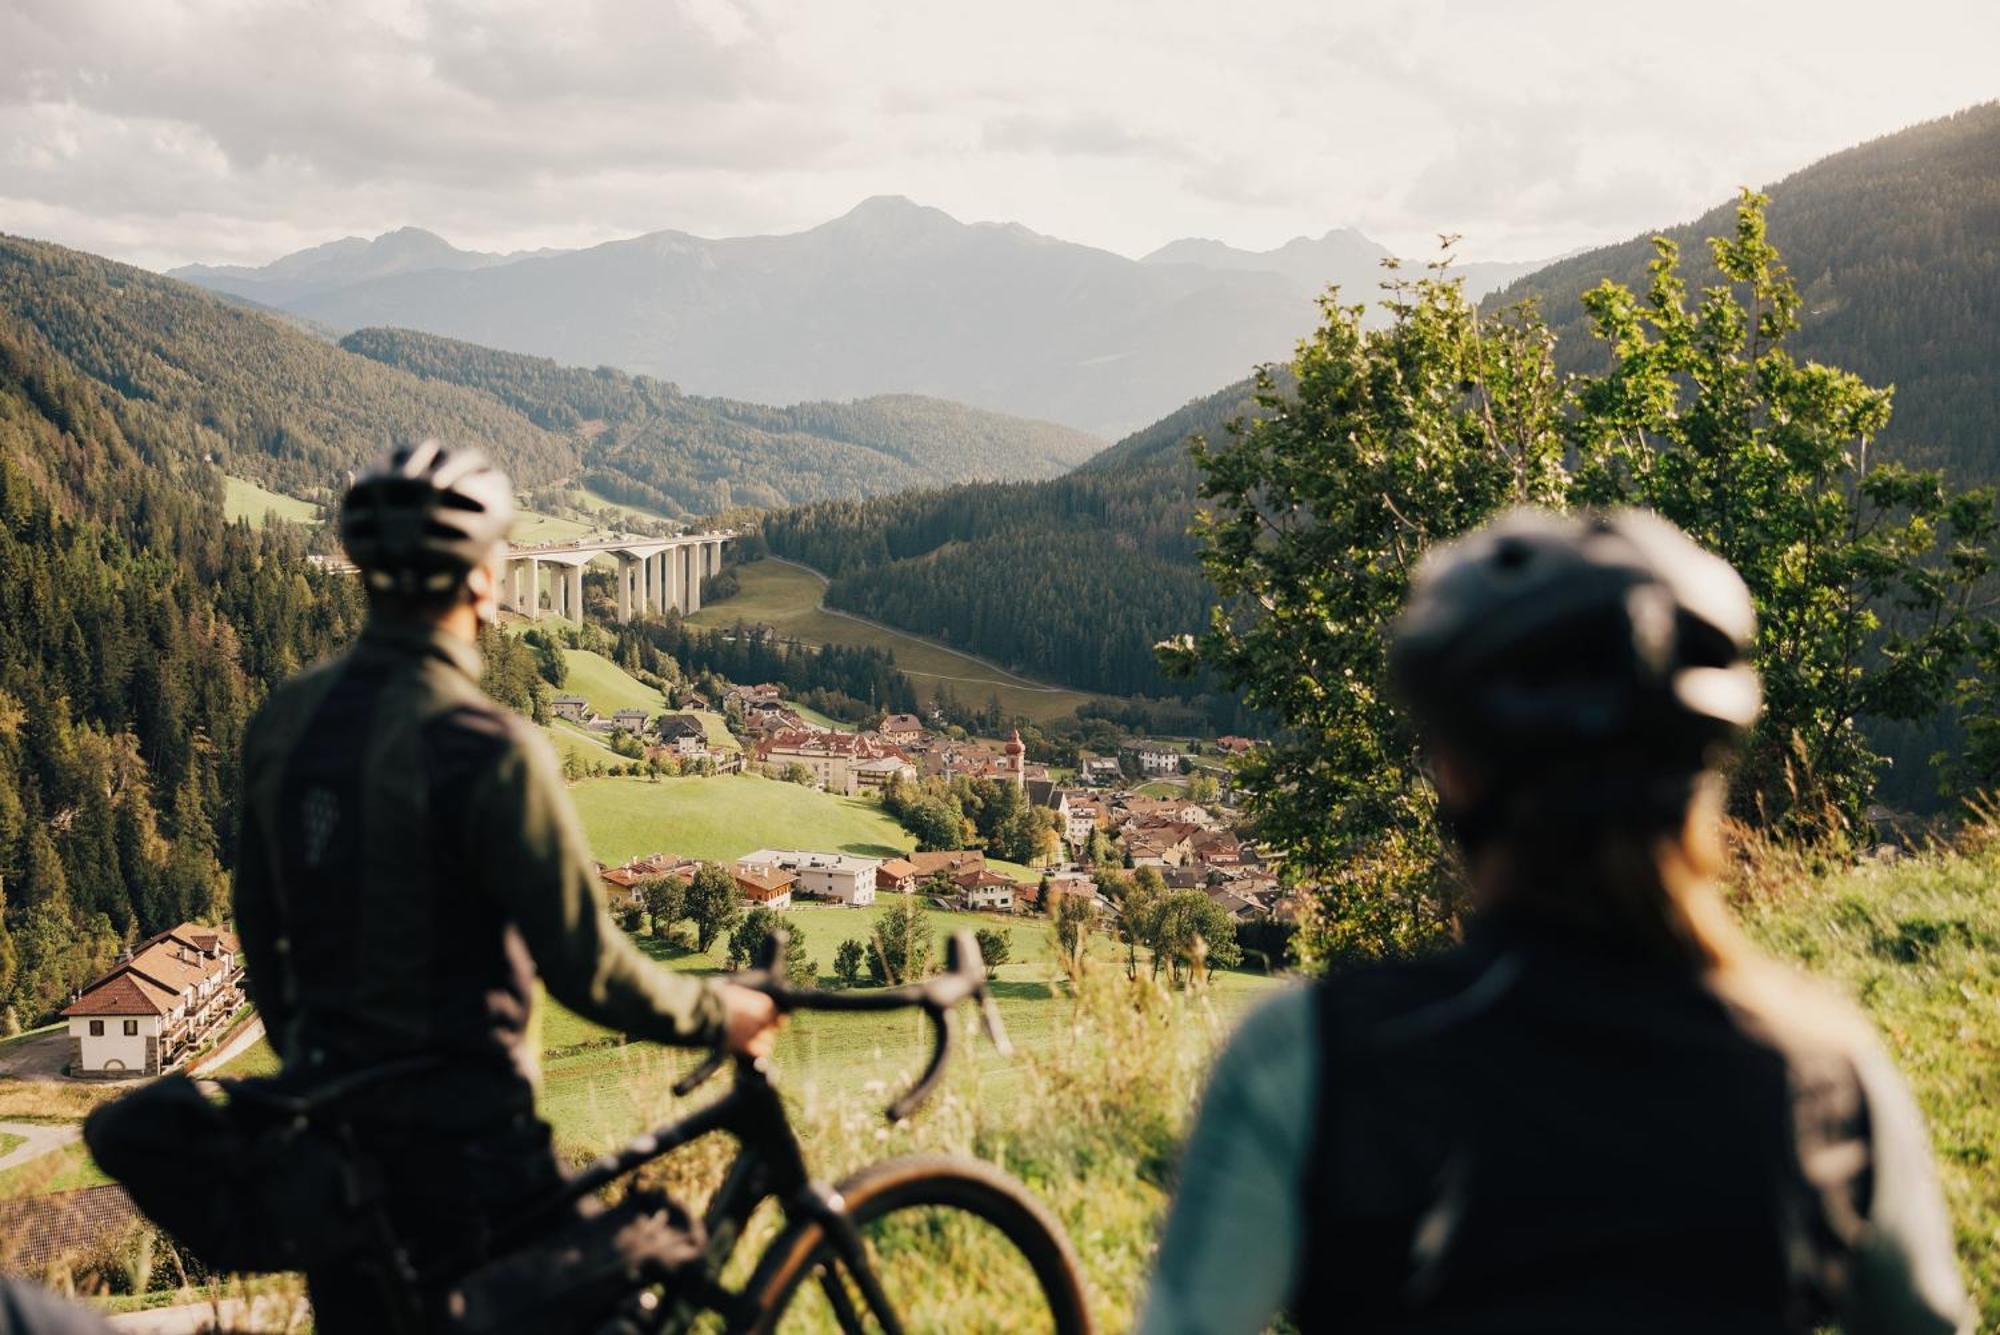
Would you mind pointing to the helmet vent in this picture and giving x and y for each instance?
(1511, 556)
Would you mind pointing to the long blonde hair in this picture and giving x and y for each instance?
(1648, 893)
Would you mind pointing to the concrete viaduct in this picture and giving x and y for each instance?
(653, 574)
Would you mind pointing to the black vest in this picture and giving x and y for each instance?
(1523, 1136)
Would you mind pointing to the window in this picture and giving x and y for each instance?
(97, 1029)
(131, 1029)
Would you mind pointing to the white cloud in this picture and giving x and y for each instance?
(234, 130)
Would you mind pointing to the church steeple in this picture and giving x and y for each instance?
(1017, 759)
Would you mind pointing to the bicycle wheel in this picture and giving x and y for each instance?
(955, 1244)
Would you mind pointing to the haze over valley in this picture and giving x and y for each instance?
(890, 298)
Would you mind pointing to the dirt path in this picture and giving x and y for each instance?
(38, 1138)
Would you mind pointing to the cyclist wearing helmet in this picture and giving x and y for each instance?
(409, 865)
(1604, 1111)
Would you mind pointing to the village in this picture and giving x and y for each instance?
(1149, 807)
(1099, 816)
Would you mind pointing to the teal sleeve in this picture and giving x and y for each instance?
(1905, 1273)
(1229, 1258)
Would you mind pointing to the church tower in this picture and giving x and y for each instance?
(1017, 760)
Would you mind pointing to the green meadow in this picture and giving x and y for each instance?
(244, 499)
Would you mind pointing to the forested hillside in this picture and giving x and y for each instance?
(137, 633)
(211, 379)
(1895, 246)
(649, 444)
(1073, 579)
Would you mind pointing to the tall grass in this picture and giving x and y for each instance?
(1101, 1110)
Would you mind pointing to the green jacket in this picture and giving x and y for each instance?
(409, 863)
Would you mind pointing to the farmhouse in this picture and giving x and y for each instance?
(950, 865)
(765, 884)
(897, 876)
(622, 884)
(1082, 885)
(572, 707)
(629, 720)
(902, 730)
(841, 877)
(683, 734)
(984, 889)
(163, 1000)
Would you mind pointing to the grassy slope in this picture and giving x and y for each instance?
(727, 817)
(1918, 945)
(787, 596)
(531, 527)
(599, 1091)
(244, 499)
(589, 500)
(607, 686)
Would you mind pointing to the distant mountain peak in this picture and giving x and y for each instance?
(891, 213)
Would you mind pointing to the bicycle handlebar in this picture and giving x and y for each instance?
(964, 978)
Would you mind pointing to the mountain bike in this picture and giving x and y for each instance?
(859, 1256)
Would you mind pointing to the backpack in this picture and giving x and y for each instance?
(248, 1183)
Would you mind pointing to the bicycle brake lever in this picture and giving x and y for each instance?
(700, 1075)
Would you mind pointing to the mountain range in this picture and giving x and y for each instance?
(1893, 247)
(890, 298)
(249, 391)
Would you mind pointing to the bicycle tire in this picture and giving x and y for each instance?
(798, 1254)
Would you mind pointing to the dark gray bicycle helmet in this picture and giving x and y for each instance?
(426, 515)
(1545, 641)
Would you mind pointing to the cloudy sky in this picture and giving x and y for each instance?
(163, 131)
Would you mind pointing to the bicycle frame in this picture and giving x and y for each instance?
(770, 1163)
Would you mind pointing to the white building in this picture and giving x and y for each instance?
(162, 1002)
(1080, 815)
(841, 877)
(990, 894)
(1155, 760)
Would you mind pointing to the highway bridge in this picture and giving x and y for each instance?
(652, 574)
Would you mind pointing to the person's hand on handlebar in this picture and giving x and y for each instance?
(750, 1021)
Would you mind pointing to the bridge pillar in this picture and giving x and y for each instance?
(573, 599)
(534, 579)
(694, 576)
(624, 585)
(670, 583)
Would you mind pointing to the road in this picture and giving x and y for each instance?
(38, 1138)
